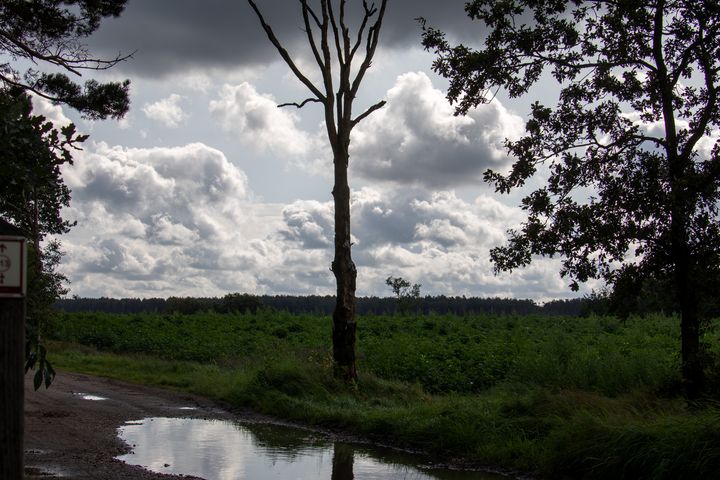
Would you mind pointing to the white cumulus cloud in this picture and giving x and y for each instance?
(183, 221)
(166, 111)
(257, 120)
(416, 139)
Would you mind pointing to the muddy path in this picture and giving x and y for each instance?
(71, 428)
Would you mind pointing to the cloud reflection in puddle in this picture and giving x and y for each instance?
(87, 396)
(223, 450)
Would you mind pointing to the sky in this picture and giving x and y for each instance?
(206, 187)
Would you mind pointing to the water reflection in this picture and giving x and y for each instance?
(343, 462)
(220, 450)
(87, 396)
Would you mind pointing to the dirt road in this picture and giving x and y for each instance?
(70, 428)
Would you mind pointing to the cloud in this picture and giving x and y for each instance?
(53, 113)
(309, 223)
(194, 182)
(415, 139)
(443, 242)
(149, 214)
(183, 221)
(440, 220)
(436, 239)
(258, 121)
(166, 111)
(177, 36)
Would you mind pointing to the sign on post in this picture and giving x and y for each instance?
(13, 263)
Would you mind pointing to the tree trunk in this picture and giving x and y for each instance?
(344, 325)
(682, 205)
(693, 375)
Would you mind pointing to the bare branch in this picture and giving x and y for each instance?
(73, 65)
(316, 19)
(344, 105)
(285, 55)
(301, 104)
(372, 40)
(28, 87)
(369, 11)
(326, 72)
(308, 30)
(367, 112)
(345, 33)
(336, 32)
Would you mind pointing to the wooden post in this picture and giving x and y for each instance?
(13, 265)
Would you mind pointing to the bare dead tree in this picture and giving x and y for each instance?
(329, 37)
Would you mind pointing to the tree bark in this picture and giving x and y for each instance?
(344, 324)
(682, 204)
(693, 375)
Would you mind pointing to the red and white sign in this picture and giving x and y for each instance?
(13, 266)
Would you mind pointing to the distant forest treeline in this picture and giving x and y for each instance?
(323, 305)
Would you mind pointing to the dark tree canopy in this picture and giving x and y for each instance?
(638, 96)
(32, 191)
(32, 195)
(49, 33)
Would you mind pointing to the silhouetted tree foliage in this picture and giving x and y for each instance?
(634, 295)
(239, 303)
(638, 94)
(322, 305)
(32, 191)
(50, 32)
(407, 296)
(47, 33)
(32, 194)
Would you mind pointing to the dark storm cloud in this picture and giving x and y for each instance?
(179, 35)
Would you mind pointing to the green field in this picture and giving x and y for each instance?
(582, 397)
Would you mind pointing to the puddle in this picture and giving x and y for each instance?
(187, 408)
(37, 451)
(86, 396)
(222, 450)
(38, 472)
(42, 472)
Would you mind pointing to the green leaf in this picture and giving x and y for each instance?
(37, 380)
(30, 363)
(49, 374)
